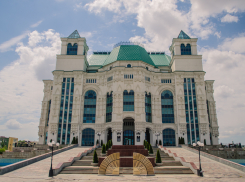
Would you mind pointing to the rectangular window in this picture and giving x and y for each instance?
(110, 78)
(147, 79)
(90, 80)
(128, 76)
(166, 81)
(65, 116)
(191, 110)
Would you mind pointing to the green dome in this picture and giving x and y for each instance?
(129, 53)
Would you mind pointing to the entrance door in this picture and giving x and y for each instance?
(147, 135)
(128, 131)
(128, 137)
(109, 134)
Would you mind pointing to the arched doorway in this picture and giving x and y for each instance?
(128, 131)
(109, 134)
(88, 137)
(168, 137)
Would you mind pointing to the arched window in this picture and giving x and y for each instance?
(167, 107)
(129, 66)
(109, 106)
(71, 50)
(88, 137)
(128, 100)
(185, 50)
(168, 137)
(89, 107)
(148, 107)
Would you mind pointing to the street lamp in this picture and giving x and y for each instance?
(157, 134)
(52, 145)
(199, 145)
(99, 138)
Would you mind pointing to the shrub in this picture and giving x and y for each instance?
(2, 150)
(103, 149)
(160, 142)
(95, 157)
(97, 142)
(156, 142)
(106, 146)
(150, 151)
(205, 142)
(101, 143)
(158, 157)
(144, 143)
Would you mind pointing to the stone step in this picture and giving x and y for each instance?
(80, 170)
(167, 158)
(171, 163)
(82, 163)
(172, 170)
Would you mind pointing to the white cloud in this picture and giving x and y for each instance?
(13, 41)
(226, 66)
(98, 5)
(86, 34)
(229, 18)
(36, 24)
(13, 124)
(21, 86)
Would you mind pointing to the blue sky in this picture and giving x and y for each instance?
(30, 40)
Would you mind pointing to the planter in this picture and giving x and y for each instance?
(152, 154)
(103, 155)
(94, 164)
(159, 164)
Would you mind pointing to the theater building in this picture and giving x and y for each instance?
(128, 95)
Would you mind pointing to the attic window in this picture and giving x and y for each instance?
(129, 66)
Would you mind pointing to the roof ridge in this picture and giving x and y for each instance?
(74, 35)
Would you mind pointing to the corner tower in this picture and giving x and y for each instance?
(184, 54)
(73, 53)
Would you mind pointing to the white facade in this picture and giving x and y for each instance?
(180, 68)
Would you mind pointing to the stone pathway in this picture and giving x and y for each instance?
(39, 171)
(213, 171)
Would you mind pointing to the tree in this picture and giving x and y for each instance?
(150, 151)
(50, 140)
(156, 142)
(106, 146)
(205, 142)
(3, 143)
(160, 142)
(97, 142)
(158, 157)
(103, 149)
(95, 157)
(101, 143)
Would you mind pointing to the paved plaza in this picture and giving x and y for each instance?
(213, 171)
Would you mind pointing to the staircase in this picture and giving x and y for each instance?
(170, 166)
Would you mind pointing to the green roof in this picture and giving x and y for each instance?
(74, 35)
(129, 53)
(183, 35)
(161, 59)
(97, 59)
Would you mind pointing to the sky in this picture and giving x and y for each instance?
(30, 41)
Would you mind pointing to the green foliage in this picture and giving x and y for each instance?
(158, 157)
(150, 151)
(156, 142)
(160, 142)
(103, 149)
(106, 146)
(97, 142)
(205, 142)
(95, 157)
(101, 143)
(144, 143)
(2, 150)
(50, 140)
(111, 143)
(3, 143)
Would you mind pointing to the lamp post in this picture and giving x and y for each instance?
(157, 134)
(199, 171)
(99, 138)
(52, 145)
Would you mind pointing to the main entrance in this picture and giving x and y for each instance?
(128, 131)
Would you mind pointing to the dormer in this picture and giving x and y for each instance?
(74, 45)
